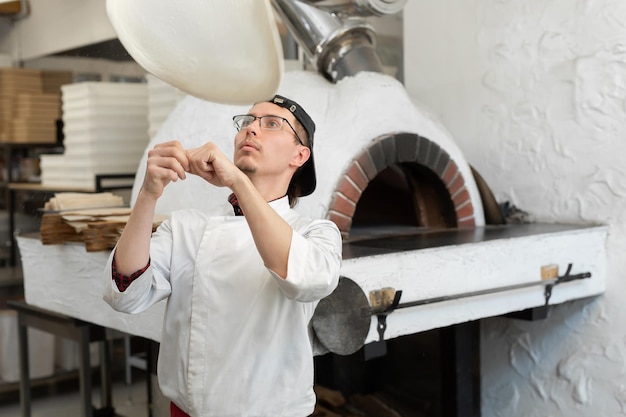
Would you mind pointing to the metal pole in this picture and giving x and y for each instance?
(22, 335)
(548, 283)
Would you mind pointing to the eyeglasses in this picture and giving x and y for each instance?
(242, 121)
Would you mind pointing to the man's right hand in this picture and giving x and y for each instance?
(167, 162)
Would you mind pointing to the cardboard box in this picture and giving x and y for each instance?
(20, 80)
(33, 131)
(53, 80)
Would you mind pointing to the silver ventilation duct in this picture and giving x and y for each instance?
(333, 33)
(360, 7)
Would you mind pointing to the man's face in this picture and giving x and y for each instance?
(260, 151)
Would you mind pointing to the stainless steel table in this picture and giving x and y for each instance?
(82, 332)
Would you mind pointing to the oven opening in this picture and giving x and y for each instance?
(403, 198)
(415, 376)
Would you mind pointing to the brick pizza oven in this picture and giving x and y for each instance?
(405, 179)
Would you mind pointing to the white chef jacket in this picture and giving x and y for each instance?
(235, 340)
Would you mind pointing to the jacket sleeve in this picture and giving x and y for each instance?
(148, 288)
(314, 262)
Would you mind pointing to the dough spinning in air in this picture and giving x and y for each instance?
(225, 51)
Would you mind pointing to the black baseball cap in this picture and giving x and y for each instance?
(306, 175)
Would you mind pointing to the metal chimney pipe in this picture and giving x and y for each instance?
(360, 7)
(337, 47)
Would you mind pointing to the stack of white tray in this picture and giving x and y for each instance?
(105, 129)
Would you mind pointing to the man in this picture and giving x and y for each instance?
(241, 290)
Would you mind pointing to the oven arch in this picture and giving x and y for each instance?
(419, 162)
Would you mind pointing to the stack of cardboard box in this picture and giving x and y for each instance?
(30, 104)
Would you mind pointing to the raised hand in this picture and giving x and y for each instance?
(167, 162)
(210, 163)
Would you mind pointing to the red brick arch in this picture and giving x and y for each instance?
(389, 150)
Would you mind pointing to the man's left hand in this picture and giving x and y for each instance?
(210, 163)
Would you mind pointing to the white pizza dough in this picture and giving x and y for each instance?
(225, 51)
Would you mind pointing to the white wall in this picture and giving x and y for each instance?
(6, 44)
(57, 25)
(534, 91)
